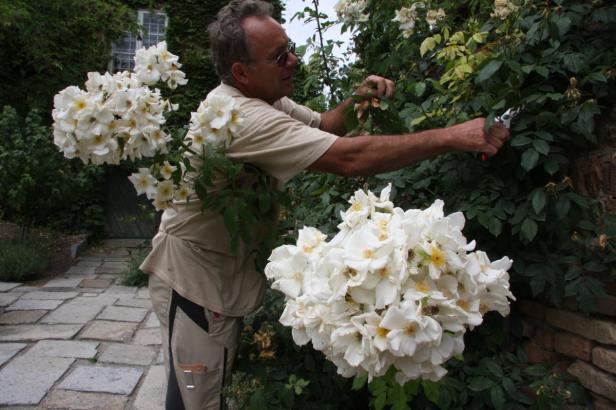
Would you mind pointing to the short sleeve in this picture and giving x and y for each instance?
(279, 143)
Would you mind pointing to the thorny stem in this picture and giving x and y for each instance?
(326, 78)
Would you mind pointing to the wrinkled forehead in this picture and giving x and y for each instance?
(264, 36)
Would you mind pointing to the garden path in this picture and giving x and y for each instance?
(81, 340)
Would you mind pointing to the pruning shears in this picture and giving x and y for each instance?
(505, 119)
(508, 116)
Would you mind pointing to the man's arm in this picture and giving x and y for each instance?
(332, 121)
(369, 154)
(373, 154)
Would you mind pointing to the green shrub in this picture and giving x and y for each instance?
(133, 276)
(38, 186)
(20, 261)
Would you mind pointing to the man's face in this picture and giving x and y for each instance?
(267, 78)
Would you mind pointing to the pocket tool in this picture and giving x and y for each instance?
(505, 119)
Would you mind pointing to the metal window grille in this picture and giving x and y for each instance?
(123, 51)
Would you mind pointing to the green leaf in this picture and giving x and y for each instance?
(497, 396)
(480, 383)
(428, 44)
(529, 159)
(562, 207)
(537, 284)
(359, 381)
(520, 141)
(431, 390)
(265, 202)
(529, 229)
(541, 146)
(538, 200)
(380, 401)
(542, 71)
(419, 88)
(488, 70)
(494, 368)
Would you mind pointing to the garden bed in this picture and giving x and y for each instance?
(60, 247)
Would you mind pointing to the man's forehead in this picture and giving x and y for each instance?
(264, 32)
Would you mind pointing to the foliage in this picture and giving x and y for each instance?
(20, 261)
(272, 372)
(133, 276)
(38, 186)
(552, 58)
(33, 65)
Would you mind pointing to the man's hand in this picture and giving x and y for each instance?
(376, 86)
(470, 136)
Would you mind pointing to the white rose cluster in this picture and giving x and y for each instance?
(503, 8)
(351, 11)
(156, 64)
(408, 16)
(117, 117)
(392, 288)
(214, 123)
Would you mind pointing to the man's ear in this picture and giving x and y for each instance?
(239, 72)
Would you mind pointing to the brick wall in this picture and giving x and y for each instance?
(584, 346)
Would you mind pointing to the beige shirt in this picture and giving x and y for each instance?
(190, 253)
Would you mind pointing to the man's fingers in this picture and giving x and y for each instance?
(379, 86)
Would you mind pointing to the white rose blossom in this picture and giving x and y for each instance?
(351, 11)
(392, 288)
(503, 8)
(120, 117)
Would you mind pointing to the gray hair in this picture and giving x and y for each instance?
(227, 37)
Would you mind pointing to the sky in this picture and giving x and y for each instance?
(299, 32)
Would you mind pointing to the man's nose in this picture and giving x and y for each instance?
(292, 60)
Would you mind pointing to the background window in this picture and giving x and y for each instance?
(123, 51)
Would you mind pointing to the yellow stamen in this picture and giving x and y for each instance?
(382, 332)
(437, 257)
(368, 253)
(422, 287)
(411, 328)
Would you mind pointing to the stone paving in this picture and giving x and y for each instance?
(81, 340)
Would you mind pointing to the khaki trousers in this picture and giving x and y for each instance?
(199, 348)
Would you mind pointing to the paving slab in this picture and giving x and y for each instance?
(123, 314)
(118, 380)
(34, 304)
(134, 302)
(8, 350)
(8, 298)
(64, 348)
(96, 283)
(125, 243)
(152, 321)
(91, 263)
(43, 295)
(63, 283)
(151, 394)
(95, 291)
(27, 379)
(143, 293)
(75, 400)
(6, 286)
(89, 258)
(21, 317)
(100, 299)
(127, 354)
(26, 288)
(112, 267)
(23, 333)
(121, 290)
(73, 312)
(112, 276)
(147, 337)
(109, 331)
(81, 270)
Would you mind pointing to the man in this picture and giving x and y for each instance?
(200, 290)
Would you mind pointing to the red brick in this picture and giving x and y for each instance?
(532, 309)
(545, 338)
(536, 354)
(595, 380)
(594, 329)
(573, 346)
(606, 305)
(528, 329)
(601, 403)
(605, 358)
